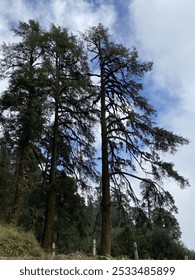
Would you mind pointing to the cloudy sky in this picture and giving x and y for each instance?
(162, 31)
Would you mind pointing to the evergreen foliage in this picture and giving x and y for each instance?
(60, 88)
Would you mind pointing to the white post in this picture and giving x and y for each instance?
(135, 250)
(94, 247)
(53, 250)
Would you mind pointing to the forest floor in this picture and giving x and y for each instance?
(81, 256)
(72, 256)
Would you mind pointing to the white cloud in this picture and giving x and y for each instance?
(80, 14)
(166, 28)
(76, 15)
(164, 32)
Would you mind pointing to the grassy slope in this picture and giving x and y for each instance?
(14, 243)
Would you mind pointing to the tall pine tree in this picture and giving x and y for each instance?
(70, 127)
(22, 103)
(130, 138)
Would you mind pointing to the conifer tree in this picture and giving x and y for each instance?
(70, 128)
(130, 138)
(22, 103)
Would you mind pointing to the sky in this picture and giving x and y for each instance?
(163, 32)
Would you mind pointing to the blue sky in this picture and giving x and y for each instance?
(163, 32)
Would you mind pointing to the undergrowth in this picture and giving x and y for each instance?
(15, 243)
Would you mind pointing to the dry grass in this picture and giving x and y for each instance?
(16, 244)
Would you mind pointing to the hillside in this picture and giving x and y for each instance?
(16, 244)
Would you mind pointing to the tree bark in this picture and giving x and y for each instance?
(51, 203)
(105, 234)
(23, 160)
(14, 217)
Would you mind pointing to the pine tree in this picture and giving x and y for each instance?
(130, 137)
(22, 103)
(70, 128)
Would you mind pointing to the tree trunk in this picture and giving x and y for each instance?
(20, 186)
(105, 234)
(49, 220)
(51, 203)
(14, 217)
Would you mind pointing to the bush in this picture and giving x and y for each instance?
(14, 243)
